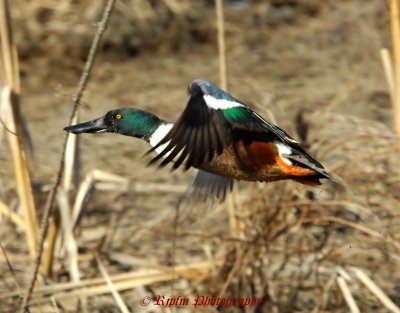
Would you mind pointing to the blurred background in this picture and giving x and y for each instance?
(312, 67)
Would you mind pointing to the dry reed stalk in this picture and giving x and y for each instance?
(221, 44)
(69, 169)
(11, 91)
(376, 290)
(49, 208)
(395, 32)
(343, 274)
(70, 244)
(70, 158)
(88, 183)
(69, 239)
(122, 281)
(235, 225)
(347, 295)
(47, 264)
(388, 69)
(118, 299)
(7, 212)
(54, 302)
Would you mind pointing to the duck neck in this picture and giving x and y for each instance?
(140, 124)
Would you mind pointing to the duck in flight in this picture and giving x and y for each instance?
(220, 136)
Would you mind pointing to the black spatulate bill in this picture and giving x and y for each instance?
(97, 125)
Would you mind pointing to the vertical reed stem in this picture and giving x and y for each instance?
(234, 225)
(221, 44)
(395, 32)
(10, 93)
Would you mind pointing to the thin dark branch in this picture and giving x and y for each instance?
(10, 268)
(49, 208)
(174, 243)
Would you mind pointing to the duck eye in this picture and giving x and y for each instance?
(118, 116)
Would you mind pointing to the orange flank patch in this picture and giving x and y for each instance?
(263, 158)
(293, 170)
(261, 153)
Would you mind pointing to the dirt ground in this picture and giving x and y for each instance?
(311, 67)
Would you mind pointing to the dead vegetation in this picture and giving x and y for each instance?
(110, 241)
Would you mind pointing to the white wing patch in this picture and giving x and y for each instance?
(222, 104)
(284, 150)
(159, 134)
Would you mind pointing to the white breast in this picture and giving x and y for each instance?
(159, 134)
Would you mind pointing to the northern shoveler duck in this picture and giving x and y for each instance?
(219, 135)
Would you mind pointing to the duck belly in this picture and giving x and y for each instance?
(255, 161)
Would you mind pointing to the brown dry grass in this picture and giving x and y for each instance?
(301, 249)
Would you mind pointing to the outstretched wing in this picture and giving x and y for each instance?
(209, 123)
(205, 126)
(207, 184)
(203, 194)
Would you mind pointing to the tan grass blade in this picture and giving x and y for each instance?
(6, 211)
(3, 113)
(84, 188)
(70, 158)
(48, 257)
(88, 183)
(118, 299)
(69, 239)
(390, 79)
(55, 306)
(13, 121)
(346, 276)
(376, 290)
(22, 176)
(348, 297)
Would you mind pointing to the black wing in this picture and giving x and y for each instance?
(197, 135)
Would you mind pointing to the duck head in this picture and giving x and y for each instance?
(125, 121)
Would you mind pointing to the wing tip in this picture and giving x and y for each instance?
(332, 179)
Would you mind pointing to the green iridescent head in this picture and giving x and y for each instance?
(125, 121)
